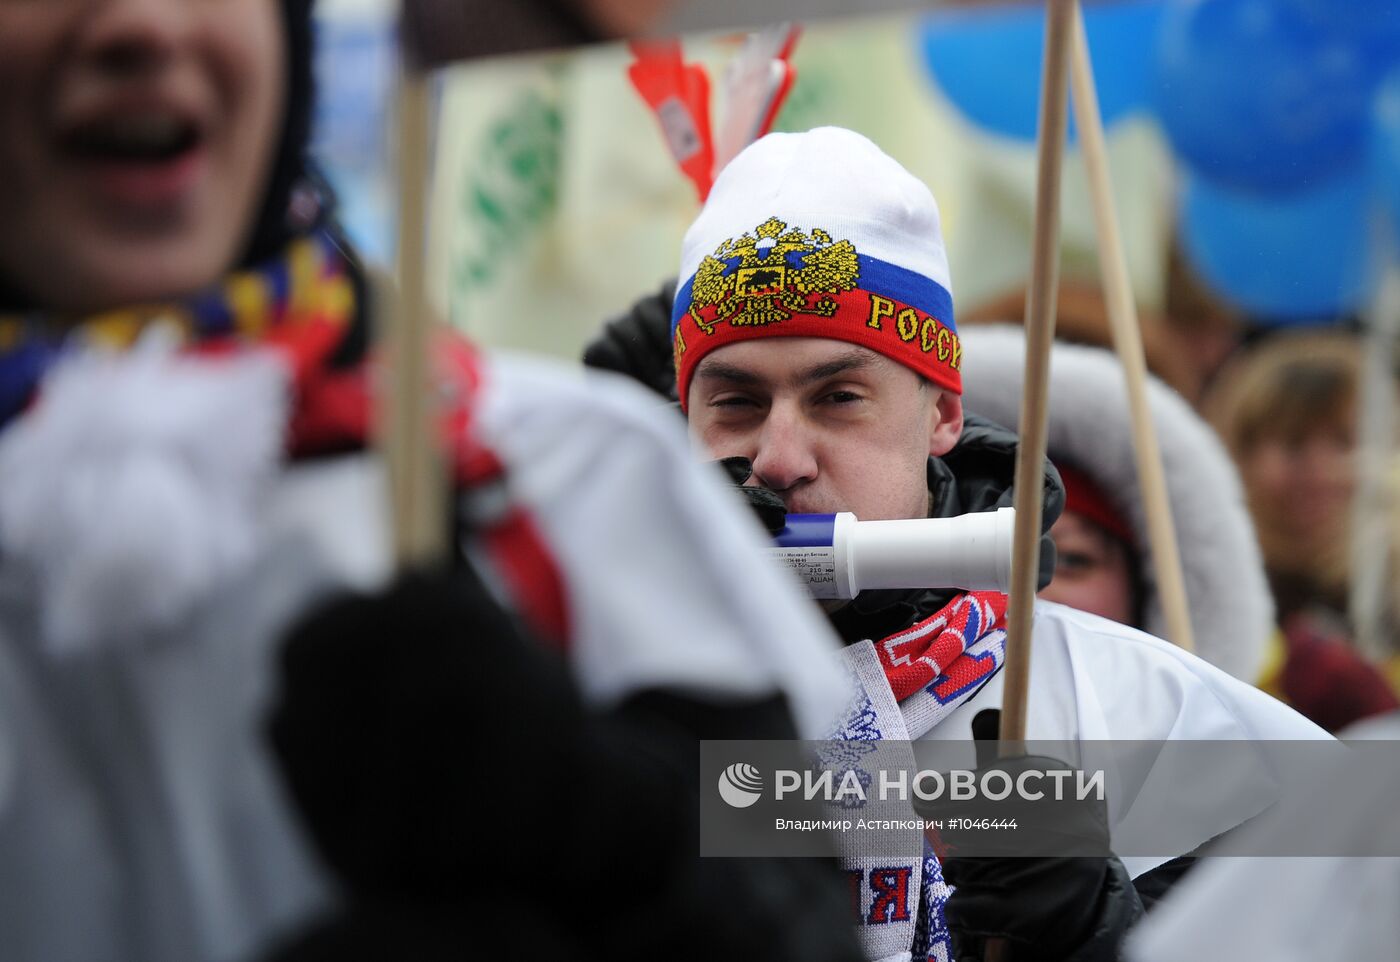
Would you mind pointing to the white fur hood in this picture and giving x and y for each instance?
(1232, 612)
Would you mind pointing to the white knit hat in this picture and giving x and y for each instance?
(819, 234)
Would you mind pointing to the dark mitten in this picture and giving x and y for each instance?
(451, 777)
(1050, 887)
(769, 507)
(1073, 908)
(638, 343)
(401, 722)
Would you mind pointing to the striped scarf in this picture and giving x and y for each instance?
(906, 684)
(302, 307)
(300, 304)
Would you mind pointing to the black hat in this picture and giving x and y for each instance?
(275, 222)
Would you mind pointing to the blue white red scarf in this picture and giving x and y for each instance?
(906, 684)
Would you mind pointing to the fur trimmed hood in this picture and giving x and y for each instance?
(1232, 612)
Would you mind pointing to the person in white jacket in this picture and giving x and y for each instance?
(813, 336)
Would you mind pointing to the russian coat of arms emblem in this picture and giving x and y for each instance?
(770, 275)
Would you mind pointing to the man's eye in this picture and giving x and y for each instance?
(732, 402)
(843, 397)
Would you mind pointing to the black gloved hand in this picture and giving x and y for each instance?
(638, 343)
(1047, 909)
(447, 769)
(389, 730)
(769, 507)
(1076, 902)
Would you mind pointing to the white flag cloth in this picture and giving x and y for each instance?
(1094, 679)
(1333, 909)
(668, 587)
(141, 817)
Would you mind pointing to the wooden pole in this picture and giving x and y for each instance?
(1127, 340)
(417, 485)
(1040, 332)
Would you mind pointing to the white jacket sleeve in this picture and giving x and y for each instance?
(1096, 683)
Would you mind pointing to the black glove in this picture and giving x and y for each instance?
(1051, 908)
(638, 343)
(389, 730)
(446, 768)
(769, 507)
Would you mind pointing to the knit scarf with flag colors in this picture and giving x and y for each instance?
(905, 685)
(302, 307)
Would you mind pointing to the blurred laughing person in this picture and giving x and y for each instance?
(185, 400)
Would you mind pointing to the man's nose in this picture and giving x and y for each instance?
(134, 37)
(785, 455)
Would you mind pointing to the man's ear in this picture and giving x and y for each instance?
(945, 423)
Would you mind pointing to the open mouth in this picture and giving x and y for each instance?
(134, 140)
(141, 164)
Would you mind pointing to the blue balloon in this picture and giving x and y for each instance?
(1374, 25)
(987, 62)
(1251, 97)
(1292, 259)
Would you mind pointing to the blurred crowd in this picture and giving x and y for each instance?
(1286, 404)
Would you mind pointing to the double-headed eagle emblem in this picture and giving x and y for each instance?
(770, 275)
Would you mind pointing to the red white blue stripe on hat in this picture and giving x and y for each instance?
(814, 286)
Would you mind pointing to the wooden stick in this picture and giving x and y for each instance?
(1040, 332)
(417, 485)
(1127, 340)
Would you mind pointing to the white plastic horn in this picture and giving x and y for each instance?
(835, 556)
